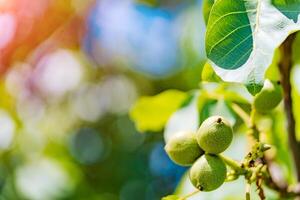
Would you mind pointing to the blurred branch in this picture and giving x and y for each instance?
(241, 113)
(285, 66)
(260, 189)
(249, 120)
(282, 188)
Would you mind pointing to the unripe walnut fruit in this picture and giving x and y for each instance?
(183, 148)
(268, 98)
(208, 173)
(214, 135)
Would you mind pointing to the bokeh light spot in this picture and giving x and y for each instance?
(58, 73)
(43, 179)
(8, 28)
(7, 129)
(88, 147)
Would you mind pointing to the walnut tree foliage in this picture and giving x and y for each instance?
(253, 56)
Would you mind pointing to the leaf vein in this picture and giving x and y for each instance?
(226, 15)
(226, 36)
(245, 39)
(242, 57)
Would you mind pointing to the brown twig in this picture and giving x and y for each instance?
(285, 66)
(261, 192)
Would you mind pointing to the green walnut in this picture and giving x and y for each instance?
(268, 98)
(214, 135)
(183, 148)
(208, 173)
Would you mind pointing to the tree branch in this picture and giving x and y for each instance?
(285, 66)
(282, 188)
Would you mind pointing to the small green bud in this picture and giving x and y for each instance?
(254, 88)
(214, 135)
(269, 97)
(183, 148)
(208, 173)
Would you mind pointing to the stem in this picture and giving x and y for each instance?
(189, 195)
(241, 113)
(233, 164)
(249, 121)
(261, 192)
(248, 188)
(285, 66)
(253, 127)
(252, 117)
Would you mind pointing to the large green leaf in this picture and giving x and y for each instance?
(229, 34)
(206, 8)
(242, 36)
(290, 8)
(152, 113)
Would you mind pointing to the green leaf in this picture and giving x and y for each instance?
(296, 49)
(290, 8)
(171, 197)
(208, 74)
(206, 8)
(242, 36)
(229, 39)
(236, 93)
(235, 96)
(152, 113)
(273, 72)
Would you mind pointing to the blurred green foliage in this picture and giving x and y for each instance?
(152, 113)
